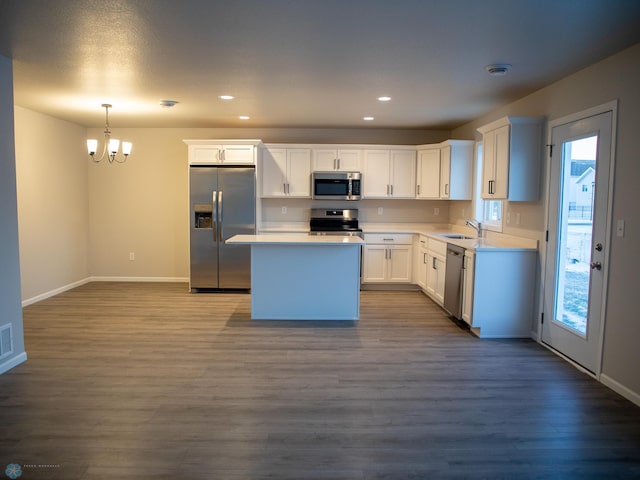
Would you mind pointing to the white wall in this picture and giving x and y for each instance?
(10, 306)
(616, 77)
(53, 210)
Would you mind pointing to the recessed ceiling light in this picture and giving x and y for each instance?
(226, 97)
(168, 103)
(367, 119)
(244, 117)
(498, 69)
(384, 99)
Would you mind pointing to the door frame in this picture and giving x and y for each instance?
(612, 107)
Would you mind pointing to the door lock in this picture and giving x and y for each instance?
(596, 266)
(599, 247)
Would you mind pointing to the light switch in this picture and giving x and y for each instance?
(620, 228)
(380, 210)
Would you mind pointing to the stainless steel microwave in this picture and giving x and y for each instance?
(337, 185)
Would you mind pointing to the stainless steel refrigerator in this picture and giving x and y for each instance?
(222, 204)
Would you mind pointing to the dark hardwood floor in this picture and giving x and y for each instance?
(148, 381)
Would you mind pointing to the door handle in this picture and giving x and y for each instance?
(596, 266)
(214, 205)
(220, 215)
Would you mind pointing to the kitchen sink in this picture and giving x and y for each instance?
(456, 236)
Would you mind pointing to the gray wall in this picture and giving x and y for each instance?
(10, 303)
(615, 78)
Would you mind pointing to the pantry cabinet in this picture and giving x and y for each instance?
(389, 173)
(387, 258)
(286, 172)
(329, 159)
(511, 159)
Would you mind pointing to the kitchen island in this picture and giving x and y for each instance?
(304, 277)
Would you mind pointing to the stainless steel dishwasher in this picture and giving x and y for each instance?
(453, 280)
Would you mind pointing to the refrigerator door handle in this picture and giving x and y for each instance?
(215, 215)
(220, 214)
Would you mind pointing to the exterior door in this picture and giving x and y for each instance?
(578, 231)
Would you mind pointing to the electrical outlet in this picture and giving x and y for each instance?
(463, 211)
(380, 211)
(436, 211)
(518, 218)
(132, 256)
(284, 210)
(508, 217)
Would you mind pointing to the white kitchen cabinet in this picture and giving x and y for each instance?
(498, 292)
(436, 265)
(445, 170)
(387, 258)
(286, 172)
(456, 170)
(467, 286)
(511, 159)
(428, 173)
(343, 160)
(389, 173)
(422, 263)
(226, 152)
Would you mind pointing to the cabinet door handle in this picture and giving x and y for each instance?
(446, 189)
(338, 163)
(424, 258)
(417, 189)
(433, 263)
(492, 189)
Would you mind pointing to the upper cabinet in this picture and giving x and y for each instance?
(330, 159)
(389, 173)
(445, 170)
(511, 159)
(286, 172)
(227, 152)
(428, 172)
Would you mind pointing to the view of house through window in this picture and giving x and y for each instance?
(576, 232)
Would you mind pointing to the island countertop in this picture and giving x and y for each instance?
(294, 239)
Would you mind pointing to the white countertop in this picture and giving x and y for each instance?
(489, 242)
(293, 239)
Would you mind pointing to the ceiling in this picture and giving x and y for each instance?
(299, 63)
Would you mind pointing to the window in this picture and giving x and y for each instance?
(489, 212)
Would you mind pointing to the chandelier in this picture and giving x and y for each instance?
(111, 145)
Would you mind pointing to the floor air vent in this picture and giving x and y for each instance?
(6, 341)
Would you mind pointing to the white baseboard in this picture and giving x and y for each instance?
(140, 279)
(621, 389)
(51, 293)
(12, 362)
(535, 336)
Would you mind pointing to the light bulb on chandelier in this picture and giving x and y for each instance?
(111, 145)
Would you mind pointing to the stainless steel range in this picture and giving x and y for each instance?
(334, 222)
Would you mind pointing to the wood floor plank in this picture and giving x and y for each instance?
(142, 381)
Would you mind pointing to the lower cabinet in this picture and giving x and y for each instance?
(387, 258)
(467, 286)
(498, 292)
(436, 258)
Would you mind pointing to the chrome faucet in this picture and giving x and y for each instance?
(477, 226)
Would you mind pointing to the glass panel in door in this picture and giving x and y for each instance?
(575, 233)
